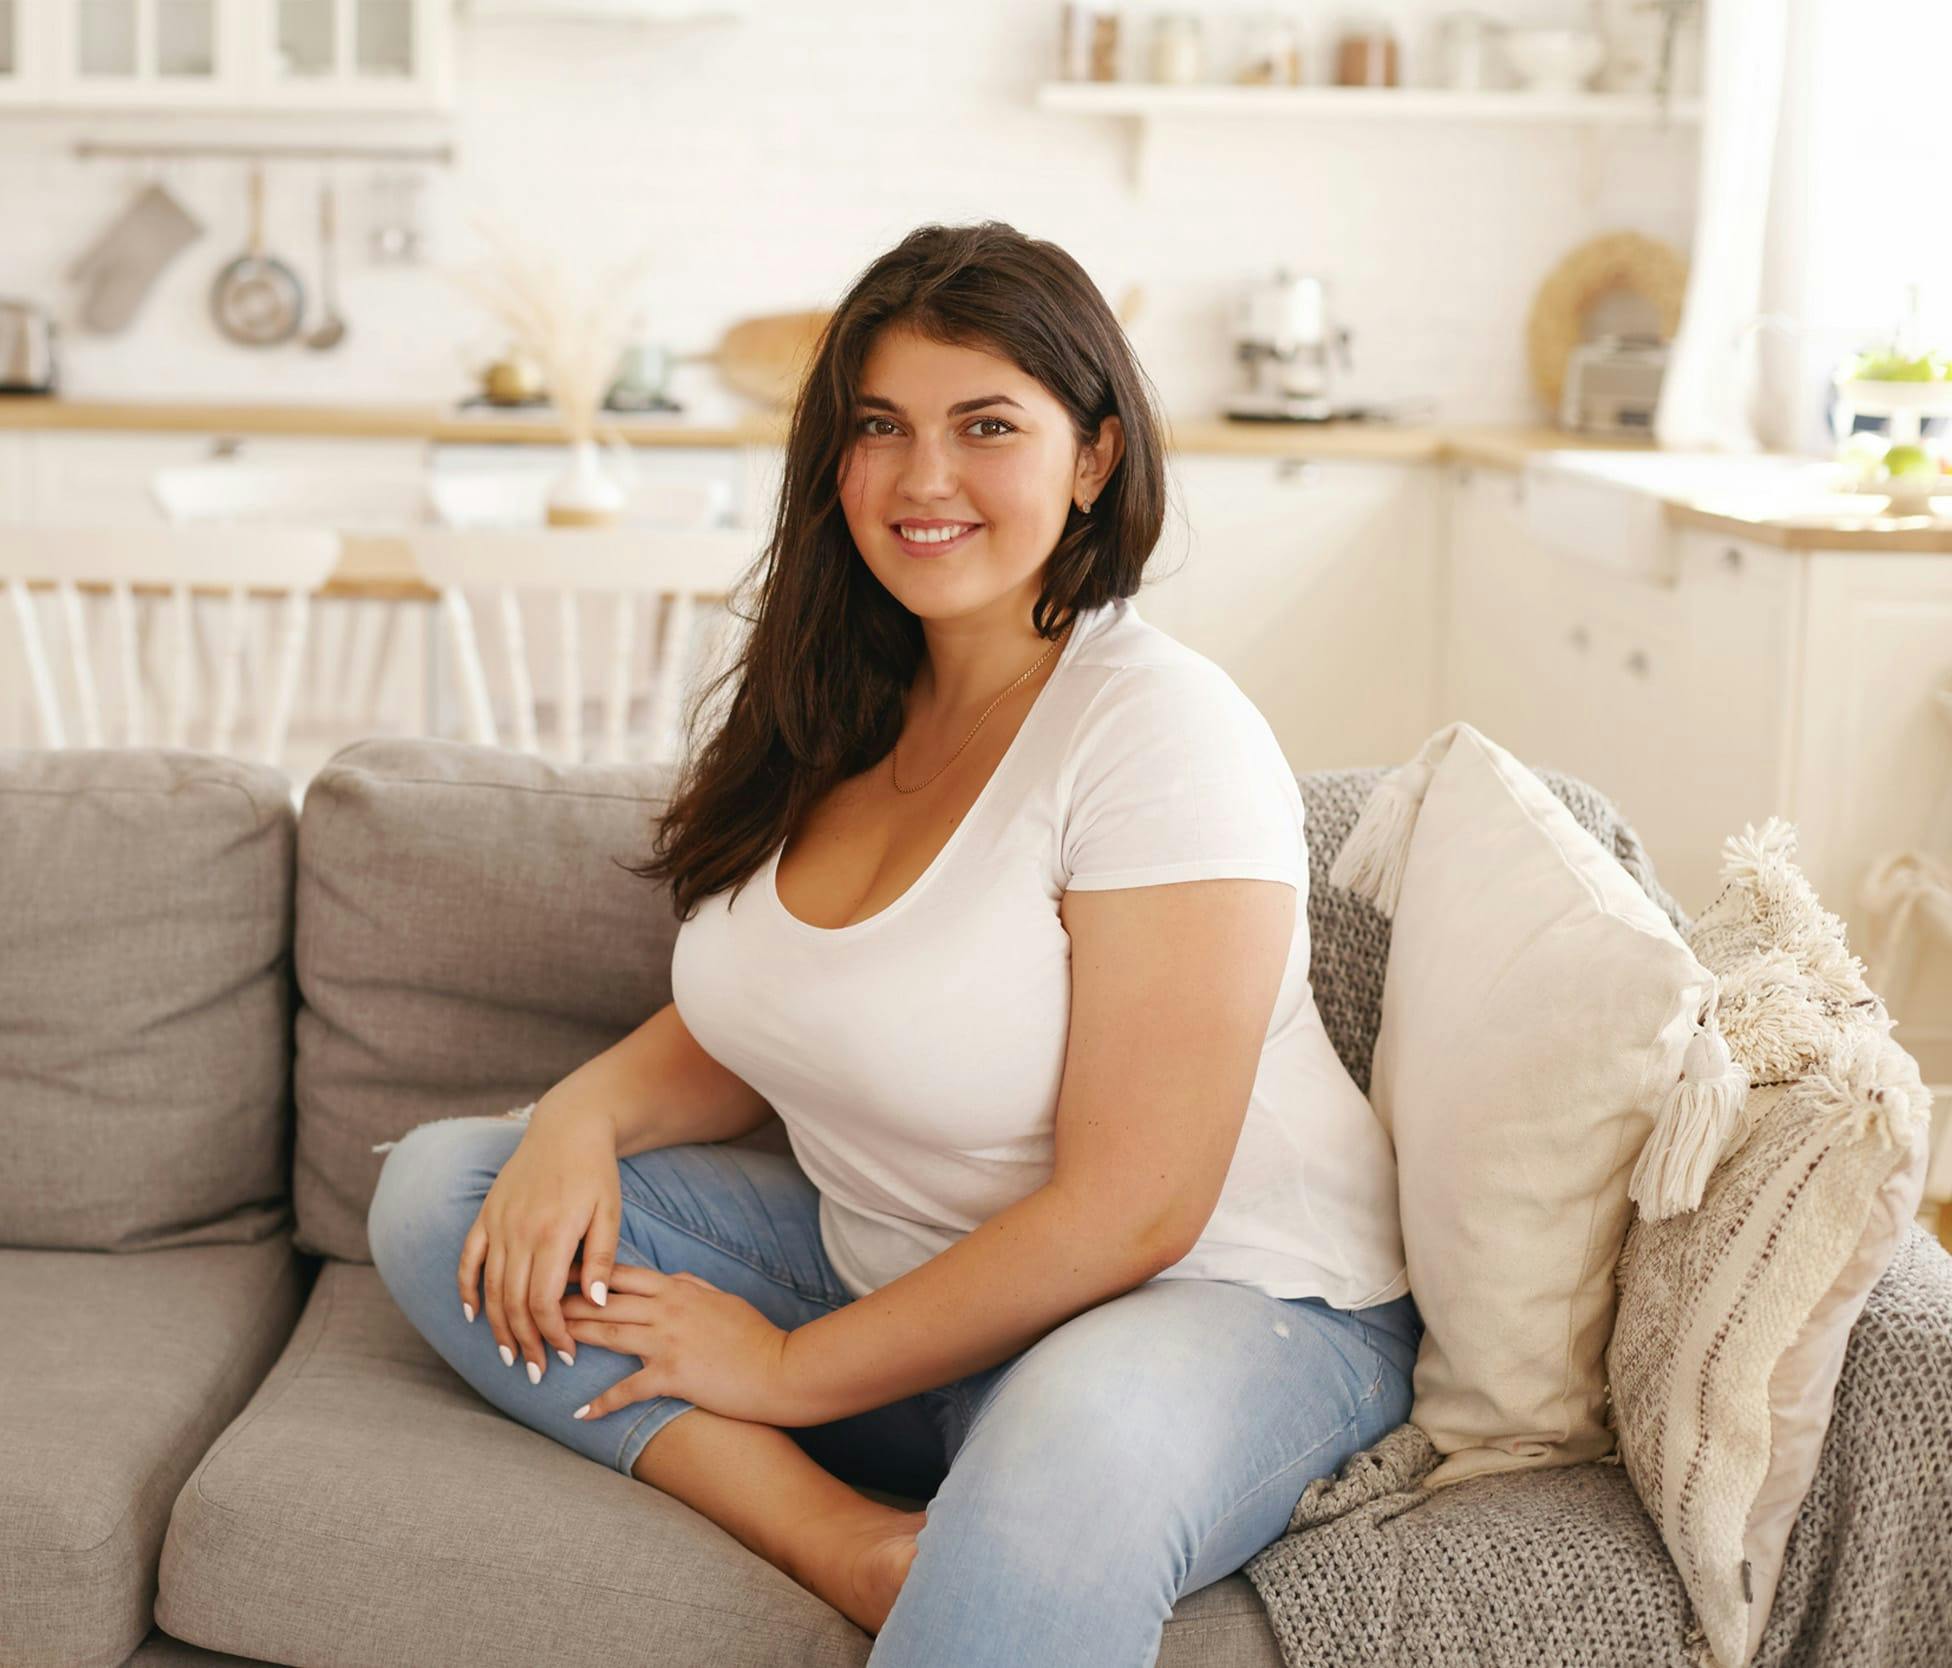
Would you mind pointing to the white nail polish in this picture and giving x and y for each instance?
(535, 1373)
(585, 1408)
(468, 1310)
(598, 1293)
(508, 1356)
(565, 1358)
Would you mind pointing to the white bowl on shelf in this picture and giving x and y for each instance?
(1880, 397)
(1554, 60)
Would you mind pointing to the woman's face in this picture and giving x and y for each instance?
(952, 435)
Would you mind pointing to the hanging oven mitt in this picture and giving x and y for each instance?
(128, 258)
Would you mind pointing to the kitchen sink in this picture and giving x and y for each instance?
(1609, 508)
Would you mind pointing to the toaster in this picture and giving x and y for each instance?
(1613, 384)
(27, 363)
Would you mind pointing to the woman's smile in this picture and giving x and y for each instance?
(935, 541)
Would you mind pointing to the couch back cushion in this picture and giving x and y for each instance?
(466, 939)
(145, 999)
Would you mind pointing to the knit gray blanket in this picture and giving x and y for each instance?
(1563, 1568)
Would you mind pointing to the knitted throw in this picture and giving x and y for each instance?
(1564, 1565)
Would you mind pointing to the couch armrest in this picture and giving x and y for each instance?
(1864, 1571)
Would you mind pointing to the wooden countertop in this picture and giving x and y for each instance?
(1497, 446)
(1492, 446)
(1898, 535)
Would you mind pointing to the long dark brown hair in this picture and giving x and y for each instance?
(818, 683)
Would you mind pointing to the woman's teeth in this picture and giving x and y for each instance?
(935, 535)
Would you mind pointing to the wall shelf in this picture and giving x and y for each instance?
(1143, 103)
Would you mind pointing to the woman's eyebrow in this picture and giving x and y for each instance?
(956, 410)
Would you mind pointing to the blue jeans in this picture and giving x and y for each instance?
(1076, 1491)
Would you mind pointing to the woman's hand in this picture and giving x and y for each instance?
(559, 1187)
(706, 1346)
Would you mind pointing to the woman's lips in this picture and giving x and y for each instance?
(939, 547)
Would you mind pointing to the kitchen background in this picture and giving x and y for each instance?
(599, 141)
(1586, 566)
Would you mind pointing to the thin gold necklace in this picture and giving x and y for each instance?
(895, 777)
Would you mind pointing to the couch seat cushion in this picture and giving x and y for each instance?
(370, 1507)
(118, 1371)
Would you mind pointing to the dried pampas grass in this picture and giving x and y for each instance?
(576, 338)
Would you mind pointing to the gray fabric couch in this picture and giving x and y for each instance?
(223, 1441)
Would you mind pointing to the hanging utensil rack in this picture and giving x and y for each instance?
(442, 155)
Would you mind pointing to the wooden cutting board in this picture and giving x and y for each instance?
(765, 358)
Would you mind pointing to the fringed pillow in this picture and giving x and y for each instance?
(1537, 1009)
(1733, 1318)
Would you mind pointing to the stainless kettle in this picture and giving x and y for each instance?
(27, 364)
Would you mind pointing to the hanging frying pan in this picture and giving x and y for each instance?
(257, 300)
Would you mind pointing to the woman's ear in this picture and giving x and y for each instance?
(1097, 460)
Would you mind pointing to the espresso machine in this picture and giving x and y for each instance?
(1283, 336)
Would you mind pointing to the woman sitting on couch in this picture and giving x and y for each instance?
(996, 895)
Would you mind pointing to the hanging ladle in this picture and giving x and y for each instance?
(330, 331)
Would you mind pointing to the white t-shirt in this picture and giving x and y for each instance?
(915, 1057)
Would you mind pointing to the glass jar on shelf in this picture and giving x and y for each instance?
(1270, 53)
(1088, 43)
(1468, 51)
(1366, 54)
(1178, 49)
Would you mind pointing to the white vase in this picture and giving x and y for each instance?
(585, 494)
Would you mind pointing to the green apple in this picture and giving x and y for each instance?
(1892, 367)
(1910, 463)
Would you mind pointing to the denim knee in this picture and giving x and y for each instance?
(432, 1183)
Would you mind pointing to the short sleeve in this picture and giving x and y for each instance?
(1175, 775)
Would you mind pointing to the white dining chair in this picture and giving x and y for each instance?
(351, 644)
(674, 569)
(57, 564)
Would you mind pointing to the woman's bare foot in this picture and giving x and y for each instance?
(867, 1562)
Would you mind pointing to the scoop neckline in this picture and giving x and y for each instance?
(1085, 619)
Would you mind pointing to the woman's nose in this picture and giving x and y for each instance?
(927, 470)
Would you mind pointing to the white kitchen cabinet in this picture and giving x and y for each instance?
(14, 500)
(1502, 618)
(1739, 680)
(1311, 583)
(143, 52)
(1872, 753)
(230, 54)
(23, 54)
(102, 478)
(1664, 687)
(354, 54)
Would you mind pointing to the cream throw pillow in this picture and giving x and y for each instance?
(1536, 1009)
(1733, 1320)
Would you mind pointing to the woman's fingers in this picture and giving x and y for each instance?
(547, 1277)
(624, 1277)
(492, 1297)
(468, 1276)
(528, 1342)
(600, 1248)
(636, 1388)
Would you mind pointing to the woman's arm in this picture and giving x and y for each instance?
(1172, 989)
(658, 1088)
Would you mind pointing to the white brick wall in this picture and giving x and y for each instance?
(768, 162)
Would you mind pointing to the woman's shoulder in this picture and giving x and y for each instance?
(1147, 676)
(1157, 704)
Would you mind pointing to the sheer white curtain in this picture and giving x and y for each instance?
(1824, 158)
